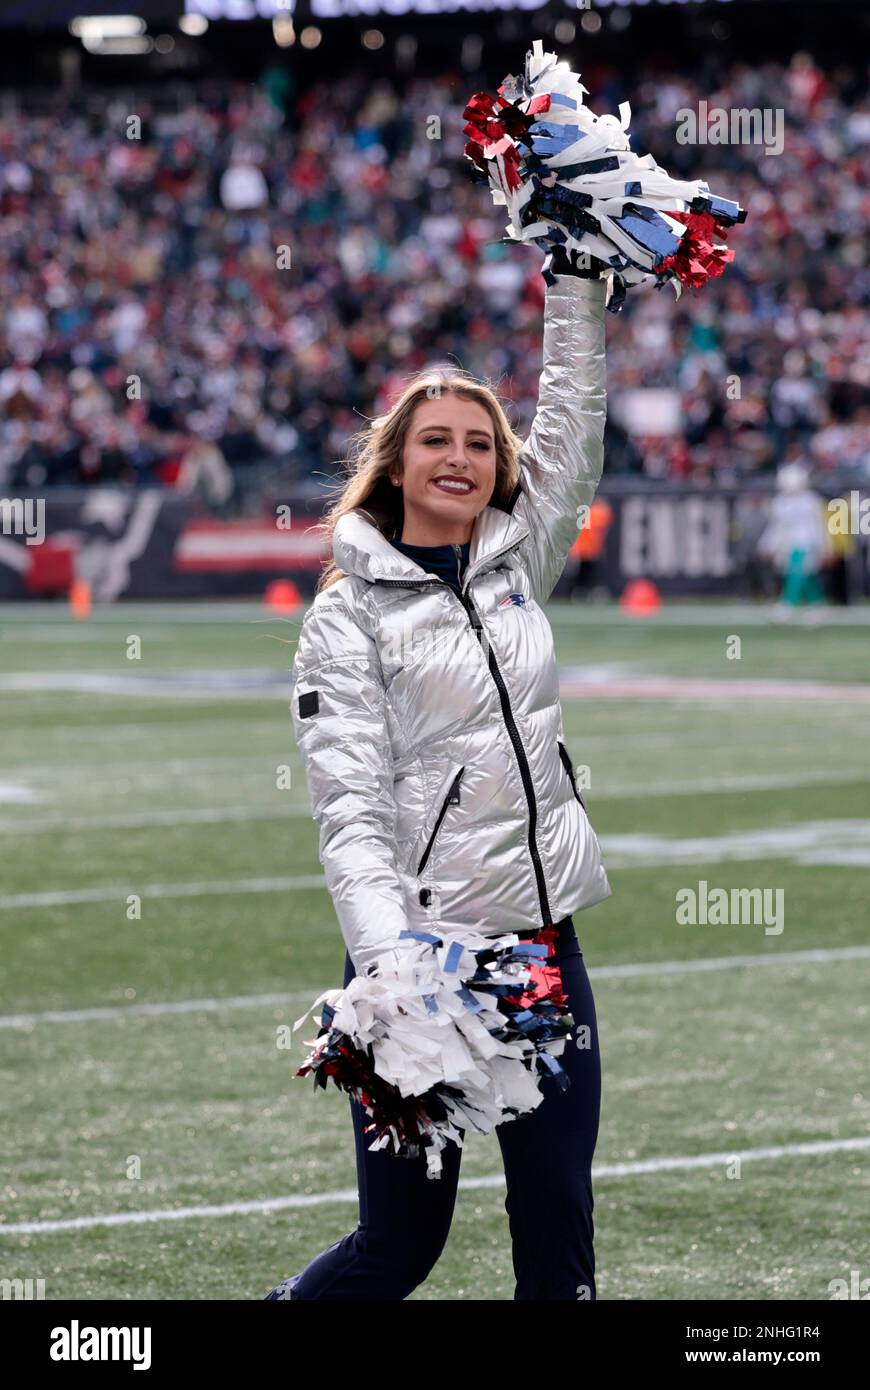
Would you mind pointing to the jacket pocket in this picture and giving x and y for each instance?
(451, 799)
(563, 754)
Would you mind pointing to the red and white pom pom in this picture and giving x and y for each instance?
(568, 177)
(450, 1035)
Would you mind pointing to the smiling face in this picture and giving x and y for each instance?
(449, 470)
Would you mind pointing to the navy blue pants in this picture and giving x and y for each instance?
(405, 1216)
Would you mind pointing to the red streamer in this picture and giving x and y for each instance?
(696, 260)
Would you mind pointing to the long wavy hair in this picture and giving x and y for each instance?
(377, 451)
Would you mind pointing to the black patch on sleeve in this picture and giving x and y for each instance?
(309, 703)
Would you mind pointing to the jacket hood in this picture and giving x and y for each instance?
(359, 548)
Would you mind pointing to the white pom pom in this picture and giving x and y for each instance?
(569, 177)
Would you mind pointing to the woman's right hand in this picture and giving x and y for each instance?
(390, 960)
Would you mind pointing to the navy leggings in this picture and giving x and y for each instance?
(405, 1216)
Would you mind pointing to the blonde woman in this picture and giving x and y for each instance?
(426, 709)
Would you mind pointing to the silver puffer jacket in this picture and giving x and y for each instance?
(430, 726)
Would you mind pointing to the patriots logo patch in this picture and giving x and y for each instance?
(518, 599)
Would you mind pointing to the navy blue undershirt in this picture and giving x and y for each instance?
(447, 561)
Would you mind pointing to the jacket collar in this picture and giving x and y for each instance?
(359, 548)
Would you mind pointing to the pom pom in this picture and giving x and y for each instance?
(451, 1035)
(569, 180)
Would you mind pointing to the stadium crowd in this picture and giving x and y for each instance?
(211, 292)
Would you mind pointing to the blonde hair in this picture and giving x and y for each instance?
(377, 450)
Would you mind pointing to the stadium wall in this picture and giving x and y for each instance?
(147, 544)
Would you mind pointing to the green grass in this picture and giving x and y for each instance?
(120, 792)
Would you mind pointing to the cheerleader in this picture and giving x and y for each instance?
(426, 710)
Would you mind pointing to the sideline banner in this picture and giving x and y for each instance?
(150, 544)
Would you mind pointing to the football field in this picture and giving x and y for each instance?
(163, 914)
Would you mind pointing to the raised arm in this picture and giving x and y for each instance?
(562, 460)
(339, 716)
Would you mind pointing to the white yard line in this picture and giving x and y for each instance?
(806, 842)
(241, 683)
(699, 688)
(811, 1148)
(841, 843)
(603, 682)
(75, 824)
(119, 892)
(775, 781)
(710, 613)
(182, 1006)
(140, 820)
(821, 956)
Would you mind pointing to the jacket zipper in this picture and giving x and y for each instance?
(507, 714)
(522, 760)
(566, 759)
(451, 799)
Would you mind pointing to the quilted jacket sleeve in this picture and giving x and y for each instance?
(562, 460)
(338, 707)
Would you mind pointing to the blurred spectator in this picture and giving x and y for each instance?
(582, 572)
(204, 475)
(257, 273)
(796, 538)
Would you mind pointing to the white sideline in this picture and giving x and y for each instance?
(268, 1204)
(813, 956)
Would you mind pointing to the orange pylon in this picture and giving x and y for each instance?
(639, 597)
(80, 598)
(282, 596)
